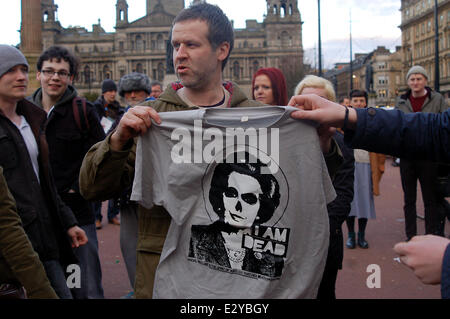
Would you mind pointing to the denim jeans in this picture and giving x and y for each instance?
(57, 278)
(89, 262)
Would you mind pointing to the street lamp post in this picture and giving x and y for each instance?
(351, 54)
(320, 41)
(436, 47)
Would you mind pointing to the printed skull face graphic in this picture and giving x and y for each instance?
(241, 200)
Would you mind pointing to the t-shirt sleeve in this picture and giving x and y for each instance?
(141, 183)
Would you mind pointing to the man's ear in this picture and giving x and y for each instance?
(71, 78)
(223, 50)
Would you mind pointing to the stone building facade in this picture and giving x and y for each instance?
(378, 72)
(141, 45)
(418, 39)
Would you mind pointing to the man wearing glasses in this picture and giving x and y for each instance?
(68, 143)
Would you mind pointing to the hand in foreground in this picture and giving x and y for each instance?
(424, 255)
(134, 122)
(327, 113)
(78, 236)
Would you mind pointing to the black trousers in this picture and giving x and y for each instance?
(327, 288)
(426, 172)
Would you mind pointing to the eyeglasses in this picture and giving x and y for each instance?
(51, 73)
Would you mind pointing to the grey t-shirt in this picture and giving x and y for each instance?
(247, 190)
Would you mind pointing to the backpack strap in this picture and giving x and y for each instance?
(79, 113)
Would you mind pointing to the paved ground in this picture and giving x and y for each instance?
(397, 282)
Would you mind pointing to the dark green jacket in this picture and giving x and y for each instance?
(19, 263)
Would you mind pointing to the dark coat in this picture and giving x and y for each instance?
(102, 108)
(68, 147)
(18, 260)
(208, 245)
(339, 209)
(445, 280)
(412, 136)
(44, 215)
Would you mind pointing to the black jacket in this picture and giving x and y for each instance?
(67, 149)
(112, 110)
(339, 209)
(44, 215)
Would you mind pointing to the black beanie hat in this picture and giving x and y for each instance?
(108, 85)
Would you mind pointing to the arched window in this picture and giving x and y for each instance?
(275, 9)
(45, 16)
(236, 70)
(283, 10)
(121, 15)
(290, 10)
(139, 43)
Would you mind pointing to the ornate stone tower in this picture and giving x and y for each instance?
(122, 13)
(284, 32)
(31, 37)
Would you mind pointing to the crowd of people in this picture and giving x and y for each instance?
(62, 156)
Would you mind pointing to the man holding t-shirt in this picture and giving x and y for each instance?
(202, 40)
(420, 98)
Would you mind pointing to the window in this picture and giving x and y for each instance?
(255, 66)
(236, 70)
(283, 10)
(139, 68)
(160, 72)
(285, 39)
(106, 72)
(87, 74)
(139, 43)
(160, 42)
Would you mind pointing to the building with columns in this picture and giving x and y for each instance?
(141, 45)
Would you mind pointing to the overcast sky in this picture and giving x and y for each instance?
(374, 22)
